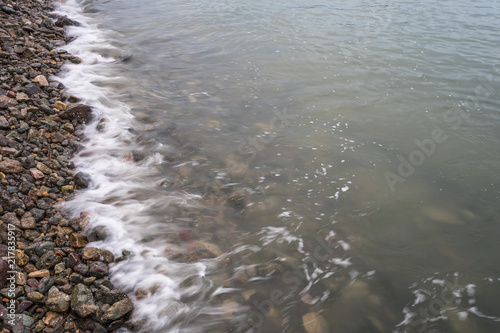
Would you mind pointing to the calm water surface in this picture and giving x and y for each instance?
(329, 166)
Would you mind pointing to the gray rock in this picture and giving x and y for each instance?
(107, 296)
(98, 269)
(82, 179)
(43, 248)
(48, 260)
(117, 310)
(57, 301)
(45, 284)
(81, 269)
(38, 214)
(82, 301)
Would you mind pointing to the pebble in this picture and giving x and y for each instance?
(37, 140)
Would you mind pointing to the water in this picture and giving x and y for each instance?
(272, 166)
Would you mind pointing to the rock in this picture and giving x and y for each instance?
(73, 260)
(27, 221)
(117, 310)
(45, 284)
(60, 105)
(9, 151)
(82, 179)
(59, 268)
(32, 89)
(40, 273)
(22, 97)
(43, 168)
(91, 253)
(43, 248)
(98, 269)
(48, 260)
(64, 21)
(81, 269)
(80, 113)
(67, 189)
(4, 268)
(108, 256)
(7, 9)
(24, 305)
(107, 296)
(35, 297)
(57, 301)
(38, 214)
(37, 174)
(21, 278)
(41, 81)
(4, 124)
(6, 102)
(11, 166)
(82, 301)
(77, 240)
(314, 323)
(207, 250)
(21, 258)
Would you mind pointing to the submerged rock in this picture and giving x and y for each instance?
(314, 323)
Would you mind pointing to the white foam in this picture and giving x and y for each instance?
(114, 199)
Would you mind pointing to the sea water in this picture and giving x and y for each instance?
(264, 166)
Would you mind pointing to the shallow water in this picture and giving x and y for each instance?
(272, 164)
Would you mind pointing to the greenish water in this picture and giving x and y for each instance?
(342, 155)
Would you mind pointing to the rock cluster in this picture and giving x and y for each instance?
(49, 281)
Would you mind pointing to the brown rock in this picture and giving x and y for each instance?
(28, 221)
(6, 101)
(21, 258)
(79, 112)
(314, 323)
(77, 239)
(37, 174)
(60, 105)
(22, 97)
(9, 151)
(39, 274)
(41, 81)
(43, 168)
(91, 253)
(11, 166)
(117, 310)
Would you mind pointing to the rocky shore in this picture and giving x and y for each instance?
(49, 280)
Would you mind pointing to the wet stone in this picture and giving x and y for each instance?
(91, 253)
(117, 310)
(108, 256)
(82, 179)
(43, 248)
(98, 269)
(73, 260)
(75, 278)
(77, 240)
(82, 301)
(81, 269)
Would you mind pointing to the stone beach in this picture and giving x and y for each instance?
(49, 280)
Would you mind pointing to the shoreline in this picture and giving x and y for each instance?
(49, 281)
